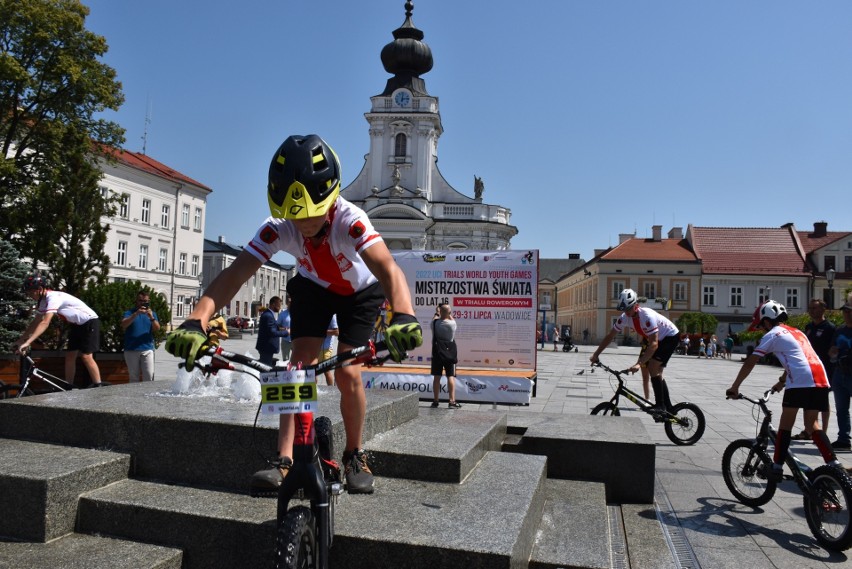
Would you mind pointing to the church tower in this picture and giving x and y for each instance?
(406, 197)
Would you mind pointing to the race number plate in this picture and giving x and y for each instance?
(293, 391)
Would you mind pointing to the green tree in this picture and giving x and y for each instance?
(52, 89)
(110, 301)
(14, 304)
(697, 322)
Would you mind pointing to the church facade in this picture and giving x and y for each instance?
(400, 187)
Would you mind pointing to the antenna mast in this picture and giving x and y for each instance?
(145, 130)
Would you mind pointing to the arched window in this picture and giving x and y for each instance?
(400, 144)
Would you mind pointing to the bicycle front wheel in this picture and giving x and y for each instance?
(688, 427)
(296, 541)
(827, 508)
(606, 408)
(744, 469)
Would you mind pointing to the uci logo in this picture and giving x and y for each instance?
(465, 258)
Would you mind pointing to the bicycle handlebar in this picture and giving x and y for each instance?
(762, 401)
(610, 370)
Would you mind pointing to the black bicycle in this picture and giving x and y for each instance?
(31, 372)
(304, 533)
(826, 490)
(684, 424)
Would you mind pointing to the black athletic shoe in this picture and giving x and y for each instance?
(359, 479)
(454, 405)
(434, 404)
(841, 445)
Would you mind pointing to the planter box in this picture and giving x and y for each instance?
(111, 364)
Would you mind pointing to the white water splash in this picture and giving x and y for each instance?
(226, 385)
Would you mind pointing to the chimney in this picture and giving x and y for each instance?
(221, 239)
(820, 228)
(657, 231)
(676, 233)
(573, 255)
(622, 237)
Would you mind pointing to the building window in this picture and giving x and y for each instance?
(146, 211)
(194, 266)
(830, 262)
(847, 264)
(764, 293)
(121, 257)
(709, 296)
(179, 306)
(197, 221)
(400, 145)
(792, 298)
(680, 291)
(736, 296)
(163, 262)
(104, 194)
(124, 206)
(182, 264)
(184, 216)
(617, 287)
(650, 290)
(143, 256)
(164, 217)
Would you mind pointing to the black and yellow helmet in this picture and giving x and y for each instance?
(304, 178)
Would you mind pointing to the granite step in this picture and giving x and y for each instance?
(40, 485)
(76, 551)
(489, 520)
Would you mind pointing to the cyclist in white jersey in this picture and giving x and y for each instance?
(84, 337)
(662, 337)
(804, 378)
(344, 268)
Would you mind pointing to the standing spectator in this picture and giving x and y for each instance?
(729, 345)
(702, 348)
(585, 335)
(711, 347)
(444, 354)
(841, 379)
(217, 330)
(327, 349)
(555, 338)
(804, 382)
(84, 338)
(820, 333)
(268, 334)
(139, 325)
(284, 326)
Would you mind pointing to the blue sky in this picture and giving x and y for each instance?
(586, 119)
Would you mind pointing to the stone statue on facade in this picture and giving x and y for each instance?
(478, 187)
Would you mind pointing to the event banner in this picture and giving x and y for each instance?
(493, 298)
(471, 387)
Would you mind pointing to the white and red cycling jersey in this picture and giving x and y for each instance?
(797, 357)
(336, 263)
(68, 307)
(647, 322)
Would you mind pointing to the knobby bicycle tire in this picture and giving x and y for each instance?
(690, 428)
(829, 515)
(606, 408)
(744, 469)
(296, 540)
(325, 441)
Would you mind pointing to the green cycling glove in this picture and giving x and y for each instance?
(187, 341)
(403, 334)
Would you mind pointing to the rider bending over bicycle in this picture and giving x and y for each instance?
(804, 377)
(662, 336)
(344, 268)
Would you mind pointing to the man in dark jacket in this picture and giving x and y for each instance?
(268, 333)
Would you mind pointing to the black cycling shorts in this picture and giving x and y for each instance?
(665, 349)
(438, 367)
(86, 337)
(807, 398)
(312, 306)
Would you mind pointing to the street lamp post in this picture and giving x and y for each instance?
(829, 277)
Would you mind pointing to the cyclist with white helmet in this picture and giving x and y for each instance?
(659, 331)
(804, 377)
(344, 268)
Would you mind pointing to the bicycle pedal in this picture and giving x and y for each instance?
(335, 488)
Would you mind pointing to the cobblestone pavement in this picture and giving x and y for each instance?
(720, 531)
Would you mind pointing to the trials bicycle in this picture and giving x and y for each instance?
(30, 372)
(826, 490)
(684, 424)
(304, 534)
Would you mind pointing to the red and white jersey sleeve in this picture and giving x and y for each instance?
(646, 323)
(794, 351)
(69, 308)
(336, 263)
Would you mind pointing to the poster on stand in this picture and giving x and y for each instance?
(493, 295)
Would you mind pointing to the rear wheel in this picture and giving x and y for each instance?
(829, 513)
(744, 469)
(689, 426)
(606, 408)
(296, 542)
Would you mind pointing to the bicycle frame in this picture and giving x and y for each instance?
(32, 371)
(634, 397)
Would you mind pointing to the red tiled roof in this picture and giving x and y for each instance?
(811, 242)
(748, 250)
(148, 164)
(650, 250)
